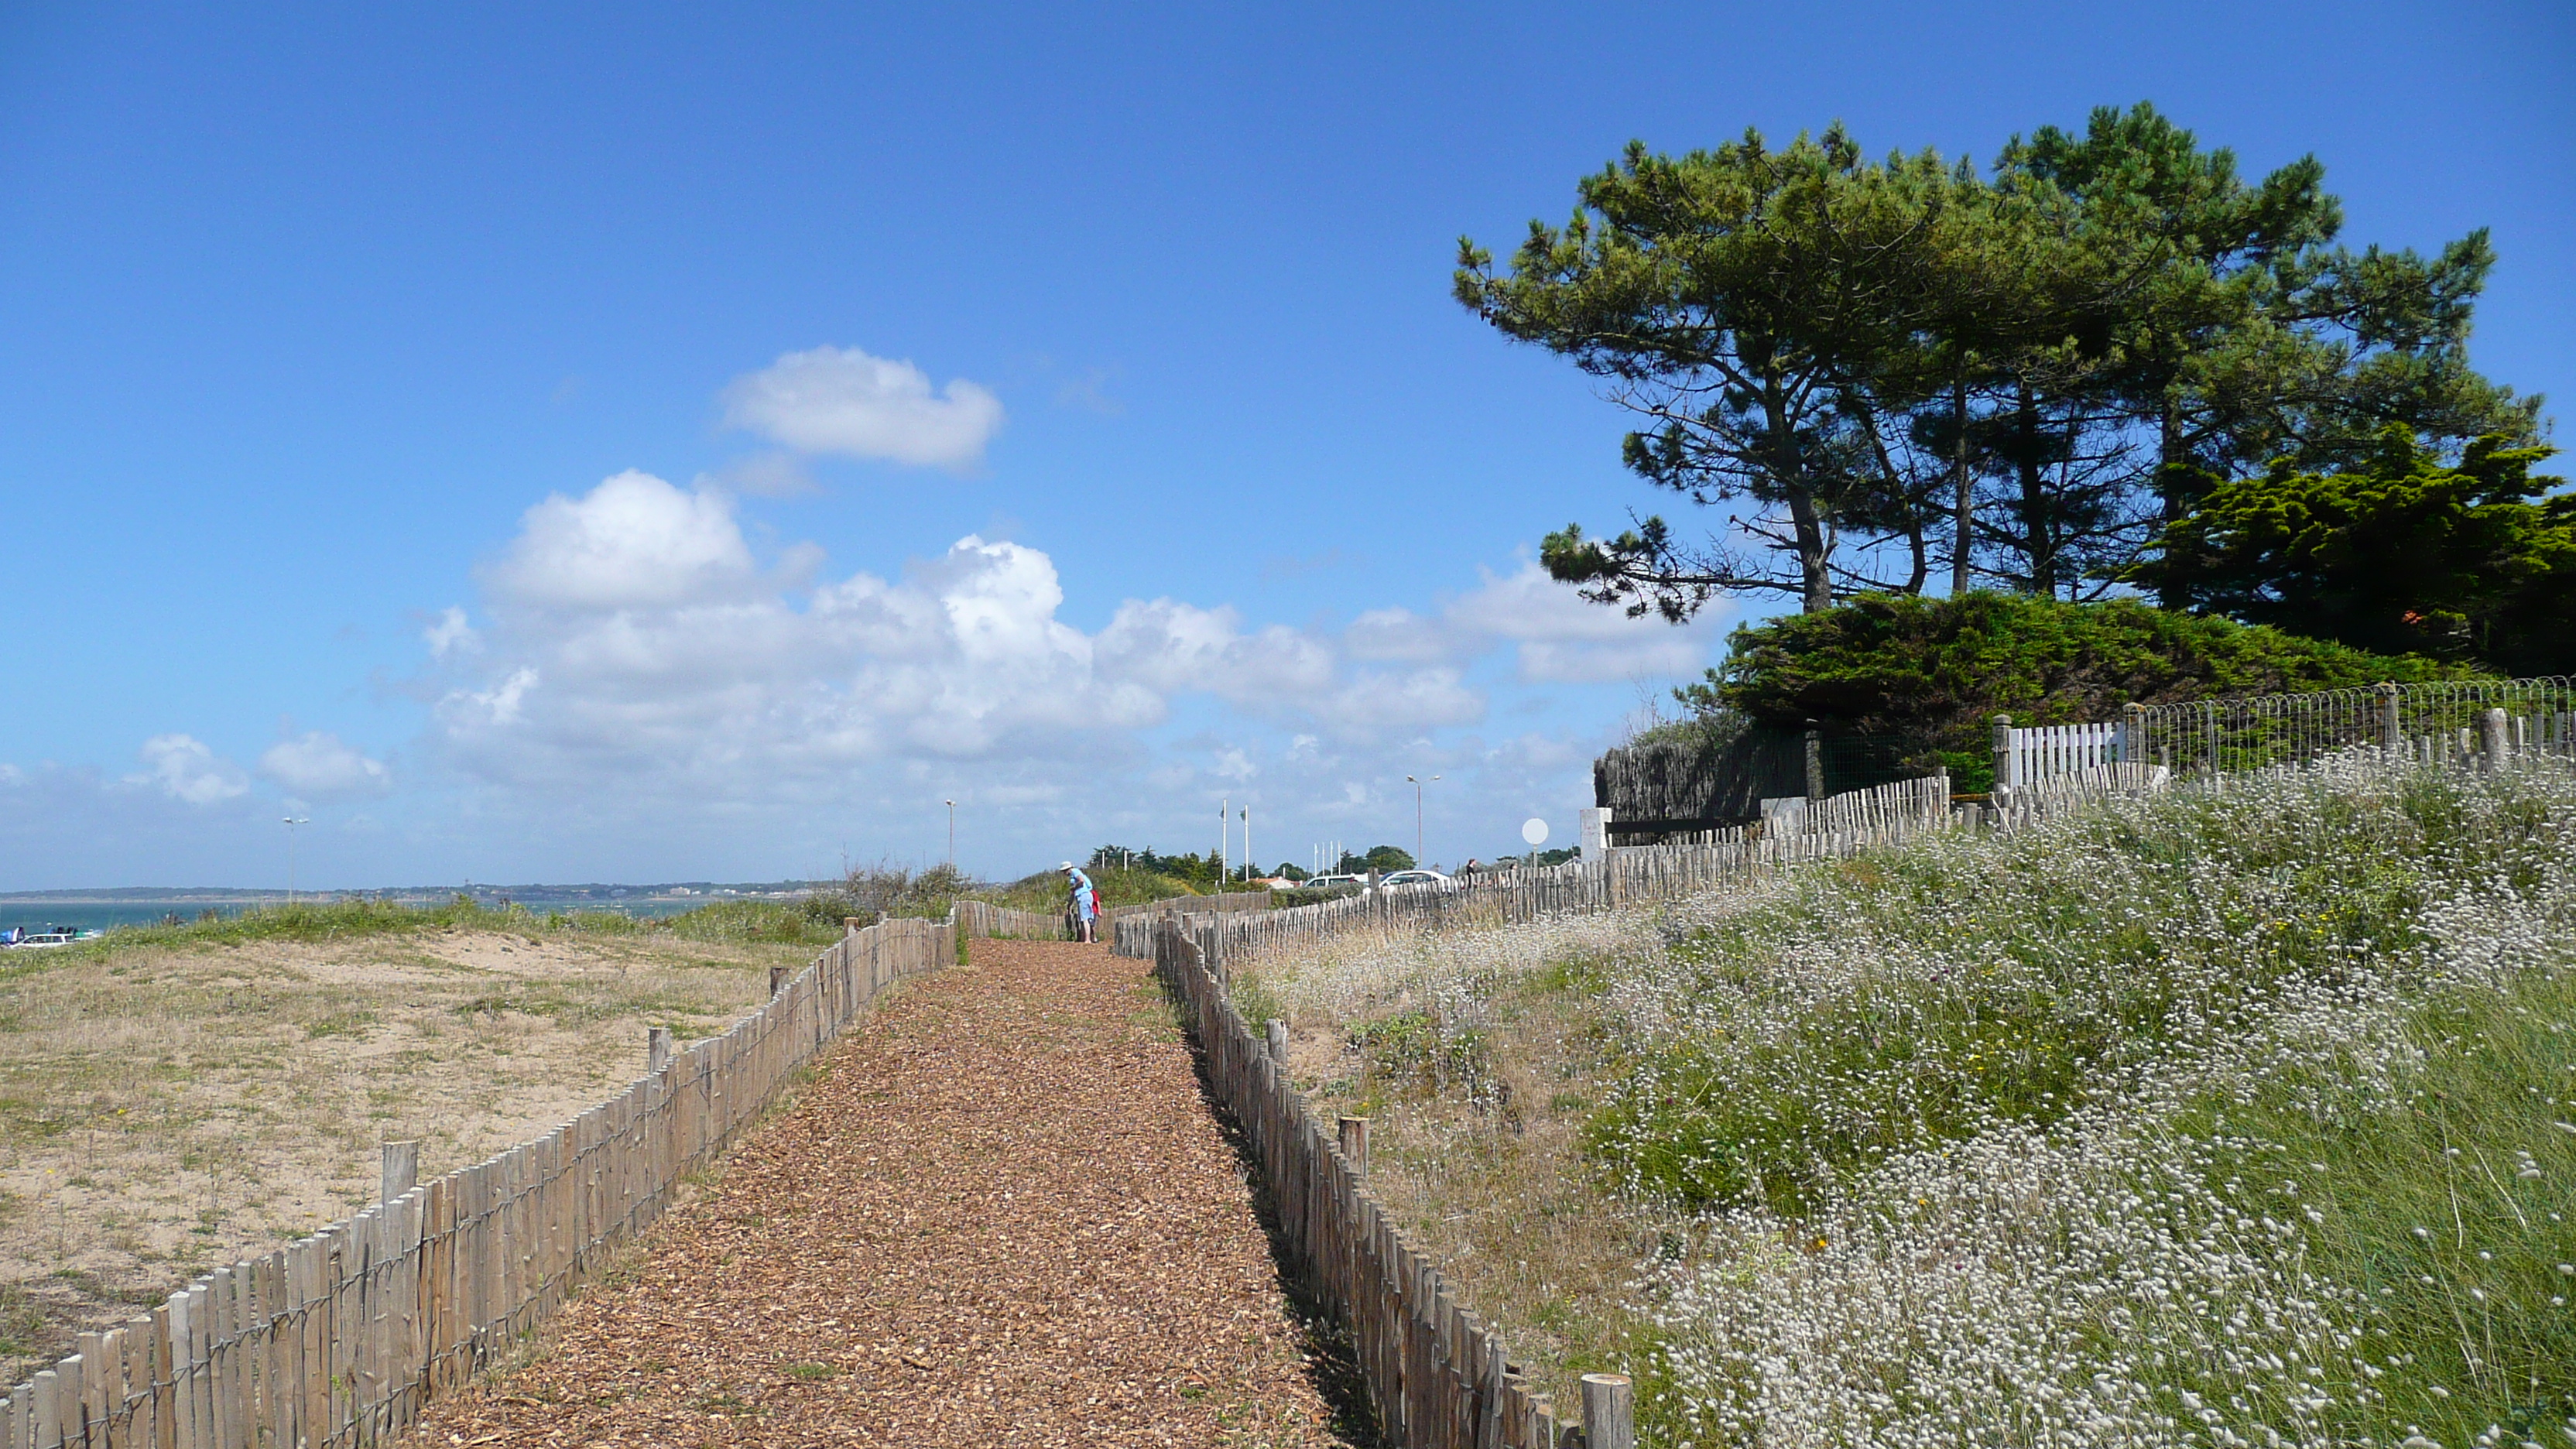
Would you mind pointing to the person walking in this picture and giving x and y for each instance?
(1086, 902)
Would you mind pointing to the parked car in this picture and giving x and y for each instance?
(1412, 877)
(1334, 882)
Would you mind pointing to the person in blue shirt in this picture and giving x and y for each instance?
(1086, 900)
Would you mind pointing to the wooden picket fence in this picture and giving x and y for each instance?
(1437, 1377)
(2053, 795)
(342, 1337)
(2030, 754)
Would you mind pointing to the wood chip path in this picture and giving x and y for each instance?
(1003, 1217)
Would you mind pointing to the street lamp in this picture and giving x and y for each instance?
(291, 822)
(952, 834)
(1417, 816)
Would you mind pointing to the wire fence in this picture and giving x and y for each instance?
(2444, 720)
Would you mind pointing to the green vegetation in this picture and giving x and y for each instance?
(815, 921)
(2402, 553)
(1044, 891)
(1144, 875)
(2300, 1053)
(1928, 675)
(2195, 1119)
(1909, 369)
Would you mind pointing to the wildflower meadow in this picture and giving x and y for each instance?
(2240, 1116)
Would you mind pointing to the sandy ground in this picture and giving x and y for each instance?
(163, 1113)
(1003, 1216)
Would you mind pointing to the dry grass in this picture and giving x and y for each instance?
(168, 1109)
(1476, 1057)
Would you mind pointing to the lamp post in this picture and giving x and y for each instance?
(952, 834)
(1417, 816)
(291, 822)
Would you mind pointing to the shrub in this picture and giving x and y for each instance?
(1929, 674)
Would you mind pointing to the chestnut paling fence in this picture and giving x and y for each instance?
(342, 1337)
(1437, 1376)
(1174, 905)
(1832, 828)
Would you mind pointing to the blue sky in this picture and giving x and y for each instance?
(324, 331)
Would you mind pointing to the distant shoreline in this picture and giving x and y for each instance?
(595, 890)
(97, 908)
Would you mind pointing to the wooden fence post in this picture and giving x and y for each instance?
(402, 1170)
(777, 979)
(1609, 1412)
(2491, 737)
(1815, 753)
(657, 1048)
(1279, 1042)
(2003, 755)
(2391, 727)
(1355, 1141)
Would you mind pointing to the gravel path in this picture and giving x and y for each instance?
(1003, 1217)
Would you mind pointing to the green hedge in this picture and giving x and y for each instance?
(1928, 674)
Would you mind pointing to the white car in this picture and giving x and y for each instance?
(1333, 882)
(1413, 877)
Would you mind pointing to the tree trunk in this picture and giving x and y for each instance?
(2038, 544)
(1963, 501)
(2168, 457)
(1818, 594)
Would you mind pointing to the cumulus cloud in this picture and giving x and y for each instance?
(632, 542)
(1557, 638)
(186, 769)
(635, 633)
(322, 766)
(841, 400)
(1168, 646)
(636, 636)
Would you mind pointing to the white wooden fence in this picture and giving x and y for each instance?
(342, 1337)
(2027, 755)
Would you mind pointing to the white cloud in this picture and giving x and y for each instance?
(841, 400)
(634, 541)
(635, 637)
(449, 632)
(186, 769)
(1168, 646)
(665, 652)
(322, 766)
(495, 707)
(1557, 637)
